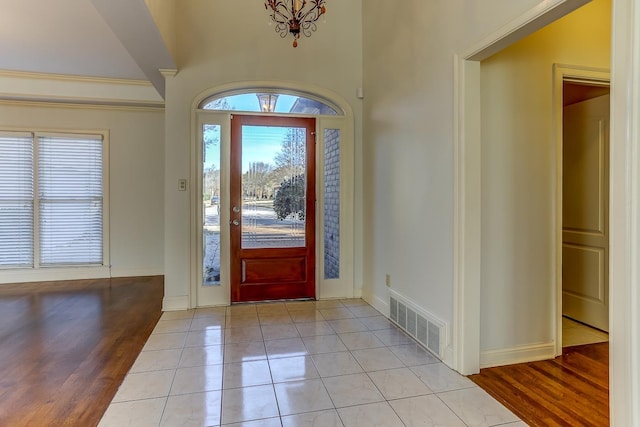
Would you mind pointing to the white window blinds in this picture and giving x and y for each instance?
(16, 200)
(70, 200)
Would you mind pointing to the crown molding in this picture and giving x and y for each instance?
(41, 87)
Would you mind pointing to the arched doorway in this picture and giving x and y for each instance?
(247, 227)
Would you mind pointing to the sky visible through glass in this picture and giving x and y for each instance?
(260, 144)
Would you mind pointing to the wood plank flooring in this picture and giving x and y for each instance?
(66, 346)
(571, 390)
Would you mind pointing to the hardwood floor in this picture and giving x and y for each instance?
(571, 390)
(66, 346)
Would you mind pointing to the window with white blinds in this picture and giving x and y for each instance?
(70, 200)
(16, 200)
(51, 200)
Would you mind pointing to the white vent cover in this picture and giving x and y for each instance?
(421, 325)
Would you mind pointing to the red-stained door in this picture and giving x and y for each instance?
(272, 216)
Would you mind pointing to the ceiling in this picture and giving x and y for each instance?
(96, 38)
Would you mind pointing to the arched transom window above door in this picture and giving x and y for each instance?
(270, 101)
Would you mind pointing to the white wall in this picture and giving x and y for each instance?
(409, 141)
(518, 174)
(136, 174)
(222, 42)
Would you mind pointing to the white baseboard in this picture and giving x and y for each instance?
(175, 303)
(53, 274)
(136, 272)
(520, 354)
(378, 303)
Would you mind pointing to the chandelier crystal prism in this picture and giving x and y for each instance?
(295, 17)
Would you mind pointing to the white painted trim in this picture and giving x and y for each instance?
(46, 274)
(137, 272)
(175, 303)
(379, 304)
(624, 220)
(521, 354)
(562, 73)
(541, 15)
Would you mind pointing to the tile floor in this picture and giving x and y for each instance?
(323, 364)
(576, 333)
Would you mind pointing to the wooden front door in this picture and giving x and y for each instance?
(272, 216)
(585, 212)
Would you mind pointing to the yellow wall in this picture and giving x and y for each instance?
(518, 174)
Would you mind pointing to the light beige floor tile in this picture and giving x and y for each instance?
(244, 352)
(354, 302)
(246, 374)
(336, 313)
(329, 303)
(145, 385)
(300, 305)
(413, 355)
(205, 338)
(293, 369)
(350, 390)
(289, 347)
(370, 415)
(242, 309)
(193, 410)
(177, 315)
(343, 326)
(398, 383)
(476, 408)
(197, 379)
(360, 340)
(306, 316)
(377, 359)
(516, 424)
(172, 326)
(364, 311)
(425, 411)
(165, 341)
(438, 377)
(278, 332)
(201, 356)
(393, 337)
(297, 397)
(328, 418)
(137, 413)
(582, 335)
(210, 312)
(157, 360)
(324, 344)
(312, 329)
(236, 335)
(271, 308)
(275, 319)
(242, 322)
(248, 403)
(377, 323)
(268, 422)
(205, 323)
(333, 364)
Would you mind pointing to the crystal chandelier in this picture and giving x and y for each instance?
(295, 16)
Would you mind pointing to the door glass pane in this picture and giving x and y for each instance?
(211, 205)
(273, 186)
(332, 203)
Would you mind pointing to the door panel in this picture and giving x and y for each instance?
(272, 208)
(585, 203)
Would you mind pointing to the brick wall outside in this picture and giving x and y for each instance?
(332, 204)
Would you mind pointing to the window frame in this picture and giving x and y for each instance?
(36, 271)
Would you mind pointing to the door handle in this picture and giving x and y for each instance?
(234, 222)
